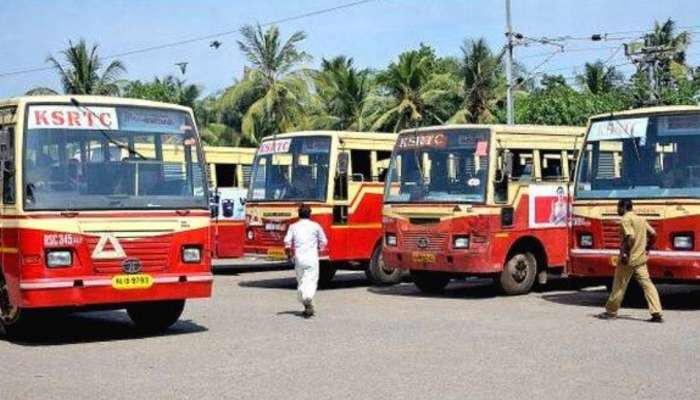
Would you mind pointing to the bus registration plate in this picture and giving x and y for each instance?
(423, 257)
(276, 254)
(134, 281)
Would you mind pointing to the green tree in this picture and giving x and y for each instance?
(556, 103)
(82, 71)
(273, 92)
(343, 92)
(482, 76)
(168, 89)
(413, 94)
(598, 78)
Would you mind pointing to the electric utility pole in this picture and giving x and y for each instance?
(648, 59)
(509, 65)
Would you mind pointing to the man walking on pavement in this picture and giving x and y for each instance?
(637, 238)
(305, 238)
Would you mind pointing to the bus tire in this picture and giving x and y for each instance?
(378, 273)
(14, 321)
(518, 274)
(326, 273)
(155, 316)
(432, 282)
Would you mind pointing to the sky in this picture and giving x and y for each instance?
(373, 33)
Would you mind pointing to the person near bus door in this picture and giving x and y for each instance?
(302, 243)
(637, 238)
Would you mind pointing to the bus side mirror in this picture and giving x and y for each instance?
(342, 164)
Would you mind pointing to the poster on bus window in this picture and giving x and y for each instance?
(231, 204)
(549, 206)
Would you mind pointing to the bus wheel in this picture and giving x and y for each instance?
(518, 274)
(156, 316)
(378, 273)
(430, 281)
(13, 320)
(326, 272)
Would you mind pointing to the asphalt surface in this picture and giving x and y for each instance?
(250, 342)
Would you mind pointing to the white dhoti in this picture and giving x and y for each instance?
(307, 278)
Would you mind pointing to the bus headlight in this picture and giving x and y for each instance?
(460, 242)
(191, 254)
(683, 241)
(59, 258)
(585, 240)
(250, 235)
(390, 239)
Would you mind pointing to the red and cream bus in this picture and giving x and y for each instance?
(481, 200)
(229, 172)
(104, 205)
(340, 175)
(651, 156)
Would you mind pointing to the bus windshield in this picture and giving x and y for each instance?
(111, 157)
(436, 166)
(291, 169)
(643, 157)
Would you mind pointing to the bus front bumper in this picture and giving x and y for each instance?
(662, 264)
(473, 261)
(94, 290)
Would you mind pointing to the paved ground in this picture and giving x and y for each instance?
(390, 343)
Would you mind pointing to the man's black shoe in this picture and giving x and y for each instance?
(656, 318)
(606, 315)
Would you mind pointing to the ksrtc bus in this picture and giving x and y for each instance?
(652, 156)
(105, 204)
(480, 200)
(340, 175)
(229, 172)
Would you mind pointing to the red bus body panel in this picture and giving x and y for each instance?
(88, 281)
(664, 262)
(227, 238)
(353, 241)
(489, 241)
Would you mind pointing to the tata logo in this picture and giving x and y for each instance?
(131, 266)
(422, 242)
(108, 248)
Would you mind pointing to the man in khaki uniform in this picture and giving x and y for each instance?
(637, 237)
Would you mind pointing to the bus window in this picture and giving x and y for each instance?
(226, 175)
(523, 169)
(361, 163)
(247, 172)
(340, 190)
(8, 175)
(383, 159)
(552, 169)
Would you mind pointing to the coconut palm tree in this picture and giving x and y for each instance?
(413, 95)
(82, 72)
(664, 35)
(482, 76)
(168, 89)
(343, 92)
(279, 92)
(598, 78)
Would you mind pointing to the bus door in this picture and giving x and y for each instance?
(339, 232)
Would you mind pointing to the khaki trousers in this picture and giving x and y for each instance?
(623, 274)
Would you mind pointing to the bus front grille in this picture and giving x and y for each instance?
(611, 233)
(424, 241)
(153, 252)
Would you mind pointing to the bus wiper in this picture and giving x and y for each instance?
(130, 150)
(419, 162)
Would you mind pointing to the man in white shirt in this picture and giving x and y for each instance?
(304, 239)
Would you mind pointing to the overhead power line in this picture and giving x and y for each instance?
(203, 37)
